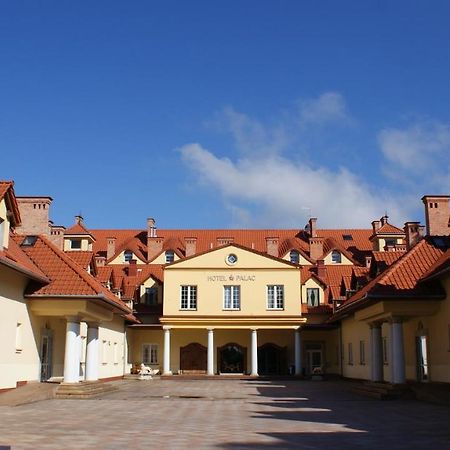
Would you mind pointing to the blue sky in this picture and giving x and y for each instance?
(226, 114)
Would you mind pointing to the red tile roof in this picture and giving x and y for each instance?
(66, 277)
(77, 229)
(82, 258)
(104, 274)
(7, 193)
(388, 228)
(402, 278)
(387, 258)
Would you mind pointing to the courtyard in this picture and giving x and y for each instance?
(226, 414)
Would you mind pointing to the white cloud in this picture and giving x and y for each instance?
(283, 189)
(418, 154)
(330, 106)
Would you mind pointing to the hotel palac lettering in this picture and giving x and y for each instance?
(81, 304)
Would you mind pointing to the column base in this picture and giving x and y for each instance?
(165, 374)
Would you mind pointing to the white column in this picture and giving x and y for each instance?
(92, 361)
(398, 352)
(72, 352)
(376, 346)
(166, 362)
(254, 371)
(210, 370)
(298, 352)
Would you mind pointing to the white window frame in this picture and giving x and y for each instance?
(150, 356)
(188, 297)
(308, 296)
(275, 297)
(232, 297)
(72, 247)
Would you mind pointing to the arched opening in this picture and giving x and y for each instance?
(193, 358)
(232, 358)
(272, 360)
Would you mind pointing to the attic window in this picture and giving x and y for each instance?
(336, 257)
(294, 256)
(170, 256)
(127, 255)
(347, 237)
(29, 241)
(75, 244)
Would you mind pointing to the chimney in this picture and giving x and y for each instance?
(368, 261)
(132, 269)
(315, 247)
(413, 232)
(384, 220)
(151, 227)
(110, 247)
(375, 226)
(190, 246)
(272, 246)
(154, 247)
(437, 214)
(100, 261)
(79, 219)
(321, 269)
(313, 227)
(34, 212)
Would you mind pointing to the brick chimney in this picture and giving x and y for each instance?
(313, 227)
(413, 232)
(34, 212)
(375, 226)
(272, 246)
(110, 247)
(154, 247)
(190, 245)
(315, 247)
(132, 269)
(151, 227)
(437, 214)
(321, 269)
(100, 261)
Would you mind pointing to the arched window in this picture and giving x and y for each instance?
(336, 257)
(294, 256)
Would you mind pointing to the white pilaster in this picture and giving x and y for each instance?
(398, 352)
(254, 370)
(92, 361)
(210, 369)
(376, 359)
(72, 352)
(298, 352)
(166, 361)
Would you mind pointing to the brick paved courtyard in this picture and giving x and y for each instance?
(226, 414)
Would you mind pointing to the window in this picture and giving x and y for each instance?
(170, 256)
(275, 296)
(150, 353)
(29, 241)
(362, 353)
(127, 255)
(231, 297)
(188, 297)
(151, 296)
(336, 257)
(385, 352)
(390, 241)
(347, 237)
(75, 244)
(312, 296)
(19, 338)
(294, 257)
(350, 354)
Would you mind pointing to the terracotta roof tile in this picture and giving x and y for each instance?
(82, 258)
(104, 274)
(388, 228)
(78, 229)
(7, 193)
(66, 277)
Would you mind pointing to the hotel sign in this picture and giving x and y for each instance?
(230, 278)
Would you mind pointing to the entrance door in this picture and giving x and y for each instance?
(271, 360)
(46, 355)
(193, 358)
(232, 358)
(314, 358)
(422, 363)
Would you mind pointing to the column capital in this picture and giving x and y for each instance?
(93, 324)
(167, 327)
(210, 329)
(73, 319)
(396, 319)
(376, 324)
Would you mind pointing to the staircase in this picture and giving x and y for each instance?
(383, 391)
(84, 389)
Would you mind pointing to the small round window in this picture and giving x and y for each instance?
(231, 259)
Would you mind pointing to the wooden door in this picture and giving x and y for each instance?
(193, 358)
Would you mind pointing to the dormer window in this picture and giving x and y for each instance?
(75, 244)
(294, 257)
(336, 257)
(170, 256)
(127, 255)
(390, 241)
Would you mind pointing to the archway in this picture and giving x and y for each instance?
(232, 358)
(272, 359)
(193, 358)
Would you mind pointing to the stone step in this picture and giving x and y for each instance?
(84, 389)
